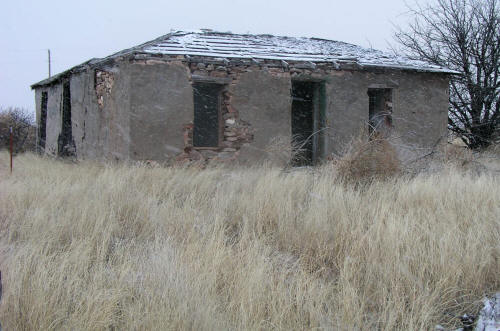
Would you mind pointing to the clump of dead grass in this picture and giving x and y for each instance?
(368, 158)
(457, 155)
(92, 246)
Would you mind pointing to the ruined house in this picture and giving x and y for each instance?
(224, 96)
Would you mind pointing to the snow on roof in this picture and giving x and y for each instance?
(245, 46)
(208, 43)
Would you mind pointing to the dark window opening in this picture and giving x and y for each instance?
(307, 122)
(206, 131)
(380, 111)
(65, 142)
(42, 126)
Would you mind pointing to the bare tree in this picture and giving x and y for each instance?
(22, 123)
(463, 35)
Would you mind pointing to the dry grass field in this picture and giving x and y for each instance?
(92, 247)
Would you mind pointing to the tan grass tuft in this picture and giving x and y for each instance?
(92, 246)
(367, 159)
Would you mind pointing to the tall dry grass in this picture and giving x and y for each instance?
(96, 247)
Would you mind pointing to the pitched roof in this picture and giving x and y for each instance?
(229, 45)
(209, 43)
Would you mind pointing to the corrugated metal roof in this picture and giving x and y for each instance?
(207, 43)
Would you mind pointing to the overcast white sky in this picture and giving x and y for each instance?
(76, 31)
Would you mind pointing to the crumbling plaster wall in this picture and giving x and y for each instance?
(421, 109)
(85, 116)
(161, 103)
(100, 103)
(420, 106)
(142, 108)
(257, 106)
(115, 113)
(53, 124)
(263, 100)
(100, 129)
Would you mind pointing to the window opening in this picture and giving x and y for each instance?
(380, 111)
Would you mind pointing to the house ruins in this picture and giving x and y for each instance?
(222, 96)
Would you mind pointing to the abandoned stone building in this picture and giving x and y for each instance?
(224, 96)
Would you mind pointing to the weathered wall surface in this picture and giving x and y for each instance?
(421, 108)
(420, 105)
(100, 113)
(161, 103)
(142, 109)
(115, 112)
(263, 100)
(53, 126)
(85, 116)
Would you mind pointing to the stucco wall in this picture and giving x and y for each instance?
(53, 124)
(263, 100)
(85, 116)
(139, 110)
(101, 131)
(420, 105)
(161, 103)
(115, 113)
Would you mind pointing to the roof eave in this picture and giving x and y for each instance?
(411, 68)
(65, 74)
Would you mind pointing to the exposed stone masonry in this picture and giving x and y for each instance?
(104, 81)
(236, 132)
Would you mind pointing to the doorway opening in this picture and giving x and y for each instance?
(42, 126)
(307, 122)
(65, 144)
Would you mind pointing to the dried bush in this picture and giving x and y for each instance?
(24, 132)
(283, 151)
(367, 158)
(457, 155)
(494, 150)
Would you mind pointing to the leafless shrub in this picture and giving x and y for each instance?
(368, 158)
(23, 130)
(494, 150)
(298, 150)
(284, 151)
(457, 155)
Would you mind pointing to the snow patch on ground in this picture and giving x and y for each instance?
(489, 317)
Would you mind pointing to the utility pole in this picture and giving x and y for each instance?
(48, 52)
